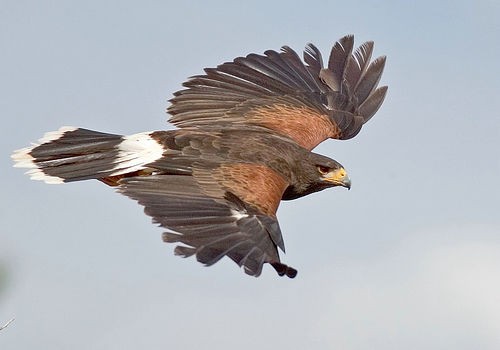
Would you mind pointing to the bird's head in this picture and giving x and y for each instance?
(317, 173)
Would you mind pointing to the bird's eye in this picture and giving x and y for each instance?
(323, 169)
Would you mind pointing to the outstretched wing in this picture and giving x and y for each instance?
(215, 214)
(303, 101)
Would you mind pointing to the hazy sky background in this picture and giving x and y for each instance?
(408, 259)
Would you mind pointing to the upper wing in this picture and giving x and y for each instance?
(303, 101)
(213, 214)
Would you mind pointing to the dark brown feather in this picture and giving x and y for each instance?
(337, 62)
(370, 79)
(357, 64)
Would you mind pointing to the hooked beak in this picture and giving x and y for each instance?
(338, 178)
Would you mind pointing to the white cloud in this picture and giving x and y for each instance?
(439, 289)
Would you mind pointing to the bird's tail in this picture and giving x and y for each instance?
(74, 154)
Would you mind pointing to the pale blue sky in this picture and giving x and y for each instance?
(408, 259)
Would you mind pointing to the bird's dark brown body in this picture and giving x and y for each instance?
(250, 149)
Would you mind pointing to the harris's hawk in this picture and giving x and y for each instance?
(247, 128)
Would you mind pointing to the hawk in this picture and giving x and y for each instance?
(243, 144)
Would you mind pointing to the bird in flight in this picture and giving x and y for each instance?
(245, 133)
